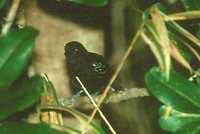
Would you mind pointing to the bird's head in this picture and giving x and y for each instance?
(75, 50)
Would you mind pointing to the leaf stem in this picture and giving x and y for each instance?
(183, 16)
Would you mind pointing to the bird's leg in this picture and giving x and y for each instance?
(65, 101)
(96, 94)
(112, 89)
(70, 101)
(116, 91)
(75, 96)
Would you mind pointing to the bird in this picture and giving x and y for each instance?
(91, 68)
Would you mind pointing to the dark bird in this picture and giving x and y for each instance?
(91, 68)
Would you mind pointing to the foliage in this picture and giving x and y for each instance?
(16, 50)
(22, 97)
(177, 92)
(27, 128)
(191, 4)
(180, 96)
(2, 2)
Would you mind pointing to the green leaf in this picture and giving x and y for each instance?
(21, 98)
(192, 128)
(93, 3)
(191, 4)
(26, 128)
(198, 77)
(176, 120)
(97, 129)
(2, 2)
(80, 116)
(16, 48)
(178, 92)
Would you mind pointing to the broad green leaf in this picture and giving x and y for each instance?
(80, 116)
(93, 3)
(2, 2)
(192, 128)
(178, 92)
(16, 48)
(198, 77)
(176, 119)
(26, 128)
(20, 98)
(191, 4)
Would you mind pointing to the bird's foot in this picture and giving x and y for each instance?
(70, 101)
(65, 101)
(113, 90)
(75, 96)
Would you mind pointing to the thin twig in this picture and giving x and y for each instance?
(93, 102)
(183, 16)
(130, 3)
(10, 16)
(116, 72)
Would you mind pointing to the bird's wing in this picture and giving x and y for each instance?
(100, 67)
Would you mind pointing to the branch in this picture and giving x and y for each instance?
(83, 102)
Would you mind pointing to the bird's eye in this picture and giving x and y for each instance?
(76, 51)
